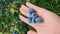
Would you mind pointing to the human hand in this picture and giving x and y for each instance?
(50, 25)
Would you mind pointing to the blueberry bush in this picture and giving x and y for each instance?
(9, 14)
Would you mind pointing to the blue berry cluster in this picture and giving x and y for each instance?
(33, 17)
(1, 6)
(15, 32)
(15, 7)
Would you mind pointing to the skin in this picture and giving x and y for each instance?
(50, 25)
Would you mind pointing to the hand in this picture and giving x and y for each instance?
(51, 24)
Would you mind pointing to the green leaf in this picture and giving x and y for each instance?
(15, 28)
(56, 1)
(11, 29)
(12, 10)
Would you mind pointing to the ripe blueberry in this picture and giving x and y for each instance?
(38, 20)
(34, 15)
(15, 7)
(1, 6)
(30, 10)
(7, 13)
(15, 32)
(33, 20)
(30, 15)
(29, 20)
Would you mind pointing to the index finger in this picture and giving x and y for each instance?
(40, 11)
(36, 8)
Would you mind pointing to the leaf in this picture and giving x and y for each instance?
(11, 29)
(56, 1)
(12, 10)
(15, 28)
(33, 1)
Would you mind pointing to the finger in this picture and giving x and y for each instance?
(25, 8)
(33, 6)
(24, 12)
(26, 21)
(31, 32)
(23, 18)
(40, 11)
(45, 14)
(34, 25)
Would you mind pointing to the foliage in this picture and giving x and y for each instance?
(9, 14)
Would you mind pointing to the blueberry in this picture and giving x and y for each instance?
(29, 20)
(7, 13)
(6, 25)
(1, 6)
(38, 20)
(30, 15)
(15, 32)
(15, 7)
(30, 10)
(34, 15)
(33, 20)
